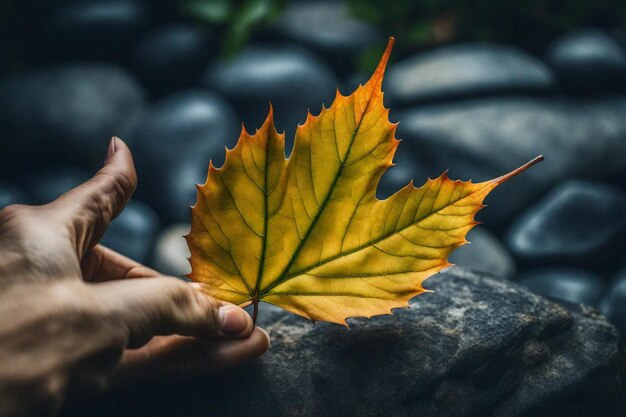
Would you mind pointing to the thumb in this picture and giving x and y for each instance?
(165, 306)
(88, 209)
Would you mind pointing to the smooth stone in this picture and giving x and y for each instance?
(46, 186)
(613, 305)
(328, 29)
(11, 194)
(476, 346)
(133, 232)
(564, 283)
(96, 29)
(293, 79)
(578, 222)
(171, 251)
(465, 70)
(485, 254)
(172, 57)
(589, 61)
(483, 139)
(65, 115)
(173, 143)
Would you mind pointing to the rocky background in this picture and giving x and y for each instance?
(478, 89)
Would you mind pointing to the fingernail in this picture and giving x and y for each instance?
(269, 339)
(234, 320)
(111, 150)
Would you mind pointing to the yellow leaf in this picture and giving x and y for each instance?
(308, 233)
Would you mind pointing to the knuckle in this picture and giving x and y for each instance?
(14, 212)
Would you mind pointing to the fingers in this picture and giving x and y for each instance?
(103, 264)
(151, 307)
(183, 357)
(89, 208)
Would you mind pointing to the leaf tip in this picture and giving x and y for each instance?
(519, 170)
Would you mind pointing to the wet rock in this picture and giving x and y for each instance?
(476, 346)
(65, 114)
(483, 139)
(408, 167)
(96, 29)
(133, 232)
(171, 251)
(485, 253)
(613, 305)
(293, 79)
(465, 70)
(328, 29)
(579, 223)
(172, 144)
(569, 284)
(172, 57)
(589, 62)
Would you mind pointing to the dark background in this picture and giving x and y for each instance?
(479, 87)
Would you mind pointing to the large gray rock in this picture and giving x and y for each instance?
(329, 29)
(292, 78)
(466, 70)
(589, 61)
(65, 114)
(483, 139)
(477, 346)
(578, 222)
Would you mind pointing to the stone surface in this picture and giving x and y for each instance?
(465, 70)
(133, 232)
(589, 62)
(11, 194)
(65, 114)
(564, 283)
(96, 29)
(485, 253)
(171, 251)
(476, 346)
(293, 79)
(483, 139)
(328, 29)
(172, 144)
(578, 222)
(172, 57)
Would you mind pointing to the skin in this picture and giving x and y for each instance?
(77, 318)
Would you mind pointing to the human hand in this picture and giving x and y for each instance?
(76, 318)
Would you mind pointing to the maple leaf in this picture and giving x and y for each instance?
(308, 234)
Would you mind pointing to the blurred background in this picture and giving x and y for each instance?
(479, 87)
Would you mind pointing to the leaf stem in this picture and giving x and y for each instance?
(255, 312)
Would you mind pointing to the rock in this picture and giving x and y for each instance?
(579, 222)
(328, 29)
(485, 253)
(465, 70)
(10, 194)
(47, 185)
(96, 29)
(569, 284)
(291, 78)
(613, 305)
(589, 61)
(173, 143)
(476, 346)
(172, 57)
(133, 232)
(171, 251)
(483, 139)
(65, 114)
